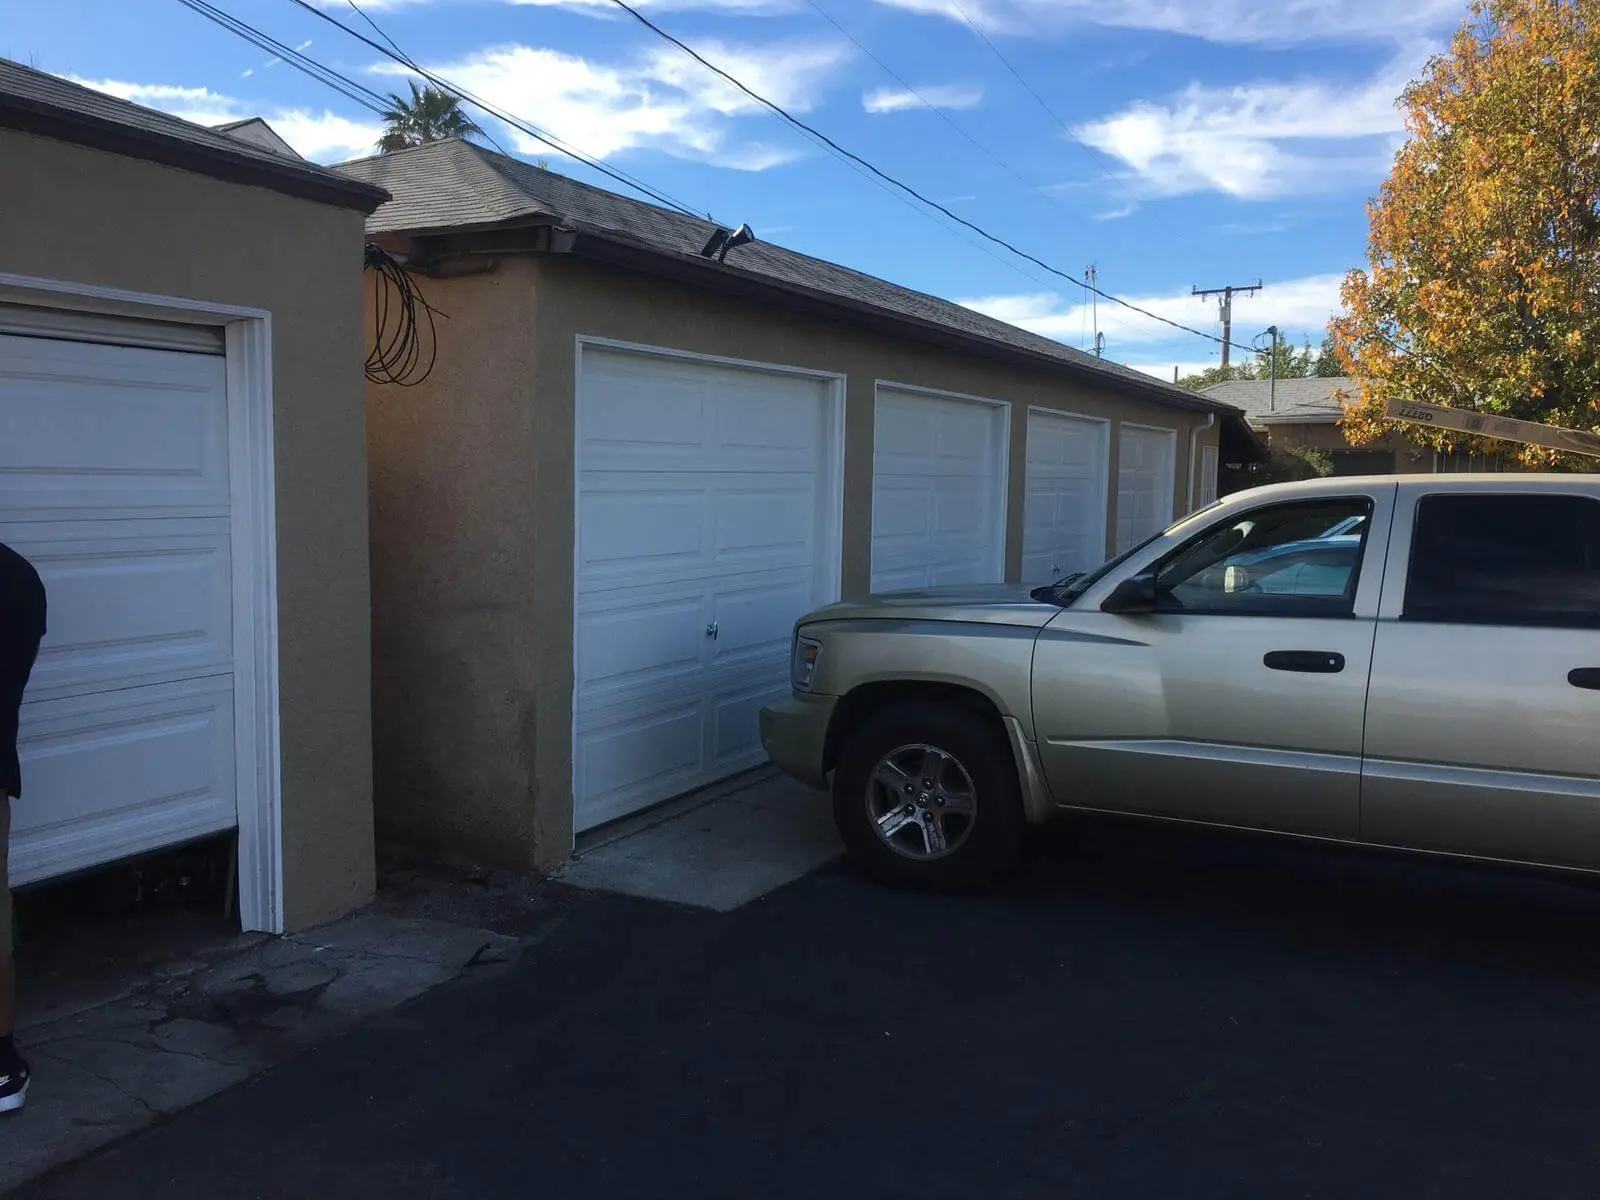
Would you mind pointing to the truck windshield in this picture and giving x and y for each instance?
(1069, 587)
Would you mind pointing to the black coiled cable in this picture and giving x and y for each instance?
(401, 352)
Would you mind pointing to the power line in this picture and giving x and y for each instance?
(406, 60)
(348, 88)
(378, 104)
(1044, 104)
(836, 148)
(362, 14)
(940, 113)
(542, 136)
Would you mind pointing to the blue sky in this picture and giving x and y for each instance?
(1172, 142)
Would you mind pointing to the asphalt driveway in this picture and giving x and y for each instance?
(1140, 1012)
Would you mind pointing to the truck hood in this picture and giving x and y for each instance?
(991, 604)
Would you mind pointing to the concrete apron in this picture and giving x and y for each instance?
(105, 1068)
(718, 848)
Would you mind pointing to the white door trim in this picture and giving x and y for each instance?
(831, 579)
(1107, 483)
(253, 492)
(1002, 510)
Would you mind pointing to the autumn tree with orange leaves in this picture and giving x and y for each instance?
(1484, 288)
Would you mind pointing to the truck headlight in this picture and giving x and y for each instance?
(803, 668)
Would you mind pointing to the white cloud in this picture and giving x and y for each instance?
(320, 136)
(1261, 22)
(659, 101)
(894, 100)
(1259, 140)
(1296, 306)
(747, 8)
(605, 8)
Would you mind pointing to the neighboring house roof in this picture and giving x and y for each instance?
(47, 106)
(259, 134)
(1318, 401)
(452, 185)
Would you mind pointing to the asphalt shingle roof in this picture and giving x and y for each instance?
(454, 185)
(37, 102)
(1297, 400)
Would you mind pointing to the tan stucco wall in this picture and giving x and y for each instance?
(473, 524)
(68, 213)
(454, 500)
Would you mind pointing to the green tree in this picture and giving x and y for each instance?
(1328, 365)
(1292, 364)
(429, 116)
(1484, 285)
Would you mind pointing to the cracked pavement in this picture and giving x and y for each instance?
(213, 1021)
(1138, 1012)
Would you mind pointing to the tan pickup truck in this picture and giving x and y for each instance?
(1409, 663)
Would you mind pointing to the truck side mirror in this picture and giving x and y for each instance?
(1136, 594)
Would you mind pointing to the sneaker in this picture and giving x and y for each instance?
(14, 1086)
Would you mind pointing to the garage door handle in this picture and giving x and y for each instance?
(711, 631)
(1310, 662)
(1585, 677)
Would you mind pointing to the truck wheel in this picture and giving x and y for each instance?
(927, 795)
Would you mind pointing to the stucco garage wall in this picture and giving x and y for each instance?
(85, 216)
(575, 297)
(454, 501)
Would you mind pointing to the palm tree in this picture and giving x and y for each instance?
(429, 116)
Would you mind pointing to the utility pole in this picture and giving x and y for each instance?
(1225, 305)
(1272, 395)
(1091, 275)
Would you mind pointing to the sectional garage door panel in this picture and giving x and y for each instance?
(1064, 516)
(938, 490)
(114, 482)
(704, 530)
(93, 427)
(118, 773)
(1146, 461)
(131, 602)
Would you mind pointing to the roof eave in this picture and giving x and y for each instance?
(46, 120)
(1321, 418)
(621, 252)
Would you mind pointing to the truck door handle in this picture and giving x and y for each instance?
(1585, 677)
(1310, 662)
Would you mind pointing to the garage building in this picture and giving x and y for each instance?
(182, 457)
(647, 447)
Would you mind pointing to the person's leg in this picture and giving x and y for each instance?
(13, 1071)
(8, 991)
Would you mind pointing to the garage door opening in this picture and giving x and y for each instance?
(1147, 459)
(135, 475)
(1064, 517)
(938, 489)
(709, 504)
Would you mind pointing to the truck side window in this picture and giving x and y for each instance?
(1530, 559)
(1297, 559)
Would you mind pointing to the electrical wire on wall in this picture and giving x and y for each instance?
(402, 352)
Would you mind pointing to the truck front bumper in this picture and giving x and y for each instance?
(794, 732)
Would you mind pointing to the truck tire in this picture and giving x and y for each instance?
(926, 795)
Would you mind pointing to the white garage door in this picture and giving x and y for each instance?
(1144, 483)
(938, 490)
(1064, 519)
(114, 482)
(707, 523)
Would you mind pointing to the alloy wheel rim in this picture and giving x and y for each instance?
(921, 802)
